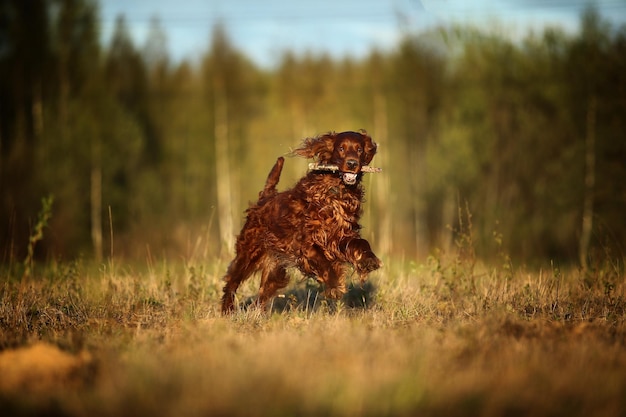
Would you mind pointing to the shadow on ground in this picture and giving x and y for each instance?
(310, 297)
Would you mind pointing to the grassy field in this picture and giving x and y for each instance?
(447, 336)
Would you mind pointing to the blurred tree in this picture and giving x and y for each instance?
(153, 112)
(503, 135)
(77, 53)
(416, 82)
(124, 68)
(597, 102)
(288, 81)
(230, 83)
(93, 144)
(127, 76)
(155, 51)
(24, 57)
(376, 76)
(369, 82)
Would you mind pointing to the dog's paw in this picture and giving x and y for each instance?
(368, 263)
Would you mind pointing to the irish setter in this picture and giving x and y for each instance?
(313, 226)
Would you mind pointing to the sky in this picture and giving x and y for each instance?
(264, 29)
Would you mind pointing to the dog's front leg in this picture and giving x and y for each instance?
(359, 253)
(329, 273)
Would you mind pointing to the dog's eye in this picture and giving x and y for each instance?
(359, 150)
(341, 149)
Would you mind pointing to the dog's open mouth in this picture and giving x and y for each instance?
(349, 177)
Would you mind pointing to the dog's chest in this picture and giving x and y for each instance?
(334, 208)
(342, 203)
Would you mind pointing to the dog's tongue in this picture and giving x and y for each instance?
(349, 178)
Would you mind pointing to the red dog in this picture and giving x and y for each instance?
(314, 226)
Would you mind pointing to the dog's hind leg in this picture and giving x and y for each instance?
(272, 280)
(239, 270)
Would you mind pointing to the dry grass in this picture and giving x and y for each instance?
(446, 337)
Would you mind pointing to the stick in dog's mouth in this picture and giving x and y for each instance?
(314, 166)
(348, 177)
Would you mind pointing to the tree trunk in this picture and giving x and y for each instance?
(222, 165)
(382, 186)
(37, 111)
(590, 180)
(96, 203)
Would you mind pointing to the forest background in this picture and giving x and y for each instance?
(518, 144)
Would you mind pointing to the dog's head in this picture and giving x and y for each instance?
(348, 151)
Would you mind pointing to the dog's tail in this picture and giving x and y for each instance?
(272, 179)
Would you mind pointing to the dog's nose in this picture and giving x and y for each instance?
(352, 163)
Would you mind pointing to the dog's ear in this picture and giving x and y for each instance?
(370, 147)
(319, 147)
